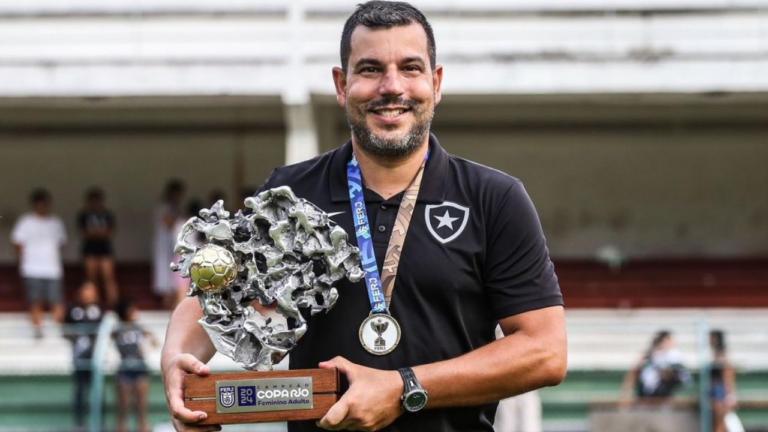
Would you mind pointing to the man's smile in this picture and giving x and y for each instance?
(390, 114)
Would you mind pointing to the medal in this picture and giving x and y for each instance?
(380, 332)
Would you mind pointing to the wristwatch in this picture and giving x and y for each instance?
(414, 397)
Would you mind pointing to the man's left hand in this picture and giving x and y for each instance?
(372, 401)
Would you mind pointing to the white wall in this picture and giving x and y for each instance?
(649, 192)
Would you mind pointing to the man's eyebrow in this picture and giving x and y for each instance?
(367, 61)
(415, 59)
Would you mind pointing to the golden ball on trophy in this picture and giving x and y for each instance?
(213, 268)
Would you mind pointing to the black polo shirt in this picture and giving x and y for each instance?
(474, 254)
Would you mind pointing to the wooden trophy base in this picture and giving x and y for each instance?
(256, 397)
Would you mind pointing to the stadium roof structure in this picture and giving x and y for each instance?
(88, 48)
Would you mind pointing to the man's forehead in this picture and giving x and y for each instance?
(409, 40)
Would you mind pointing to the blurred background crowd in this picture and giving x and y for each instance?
(638, 128)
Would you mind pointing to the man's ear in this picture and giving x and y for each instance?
(340, 81)
(437, 82)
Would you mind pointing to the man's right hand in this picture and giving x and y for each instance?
(174, 371)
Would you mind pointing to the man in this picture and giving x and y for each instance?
(474, 257)
(37, 239)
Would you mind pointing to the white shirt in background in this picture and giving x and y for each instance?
(41, 239)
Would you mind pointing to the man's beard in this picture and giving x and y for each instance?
(396, 148)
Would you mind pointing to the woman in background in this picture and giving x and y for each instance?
(97, 226)
(658, 374)
(166, 216)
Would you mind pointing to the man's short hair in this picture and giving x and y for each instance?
(385, 14)
(39, 195)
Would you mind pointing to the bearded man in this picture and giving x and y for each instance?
(475, 257)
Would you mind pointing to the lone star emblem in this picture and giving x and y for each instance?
(442, 227)
(446, 220)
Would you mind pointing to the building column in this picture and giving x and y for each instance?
(301, 142)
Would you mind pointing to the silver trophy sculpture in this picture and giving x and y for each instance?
(285, 251)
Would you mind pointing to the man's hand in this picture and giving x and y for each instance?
(372, 401)
(174, 372)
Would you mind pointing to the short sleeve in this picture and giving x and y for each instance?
(519, 276)
(19, 233)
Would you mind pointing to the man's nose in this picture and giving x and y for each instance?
(391, 83)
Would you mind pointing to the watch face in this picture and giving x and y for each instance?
(415, 401)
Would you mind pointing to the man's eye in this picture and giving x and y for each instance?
(369, 70)
(412, 69)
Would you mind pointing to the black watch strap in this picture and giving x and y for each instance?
(414, 397)
(410, 382)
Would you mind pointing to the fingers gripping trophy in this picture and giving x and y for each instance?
(288, 252)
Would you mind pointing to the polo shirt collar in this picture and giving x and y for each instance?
(433, 183)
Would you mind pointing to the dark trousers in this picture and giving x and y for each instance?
(82, 385)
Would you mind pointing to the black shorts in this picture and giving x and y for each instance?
(97, 248)
(128, 376)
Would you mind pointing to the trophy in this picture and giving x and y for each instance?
(380, 326)
(284, 251)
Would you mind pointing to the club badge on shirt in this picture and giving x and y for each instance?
(446, 221)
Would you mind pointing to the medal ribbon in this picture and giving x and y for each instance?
(380, 295)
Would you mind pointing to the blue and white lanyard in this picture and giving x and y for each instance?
(364, 240)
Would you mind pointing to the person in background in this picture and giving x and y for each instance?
(658, 374)
(131, 378)
(182, 284)
(97, 225)
(722, 381)
(37, 239)
(165, 218)
(81, 325)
